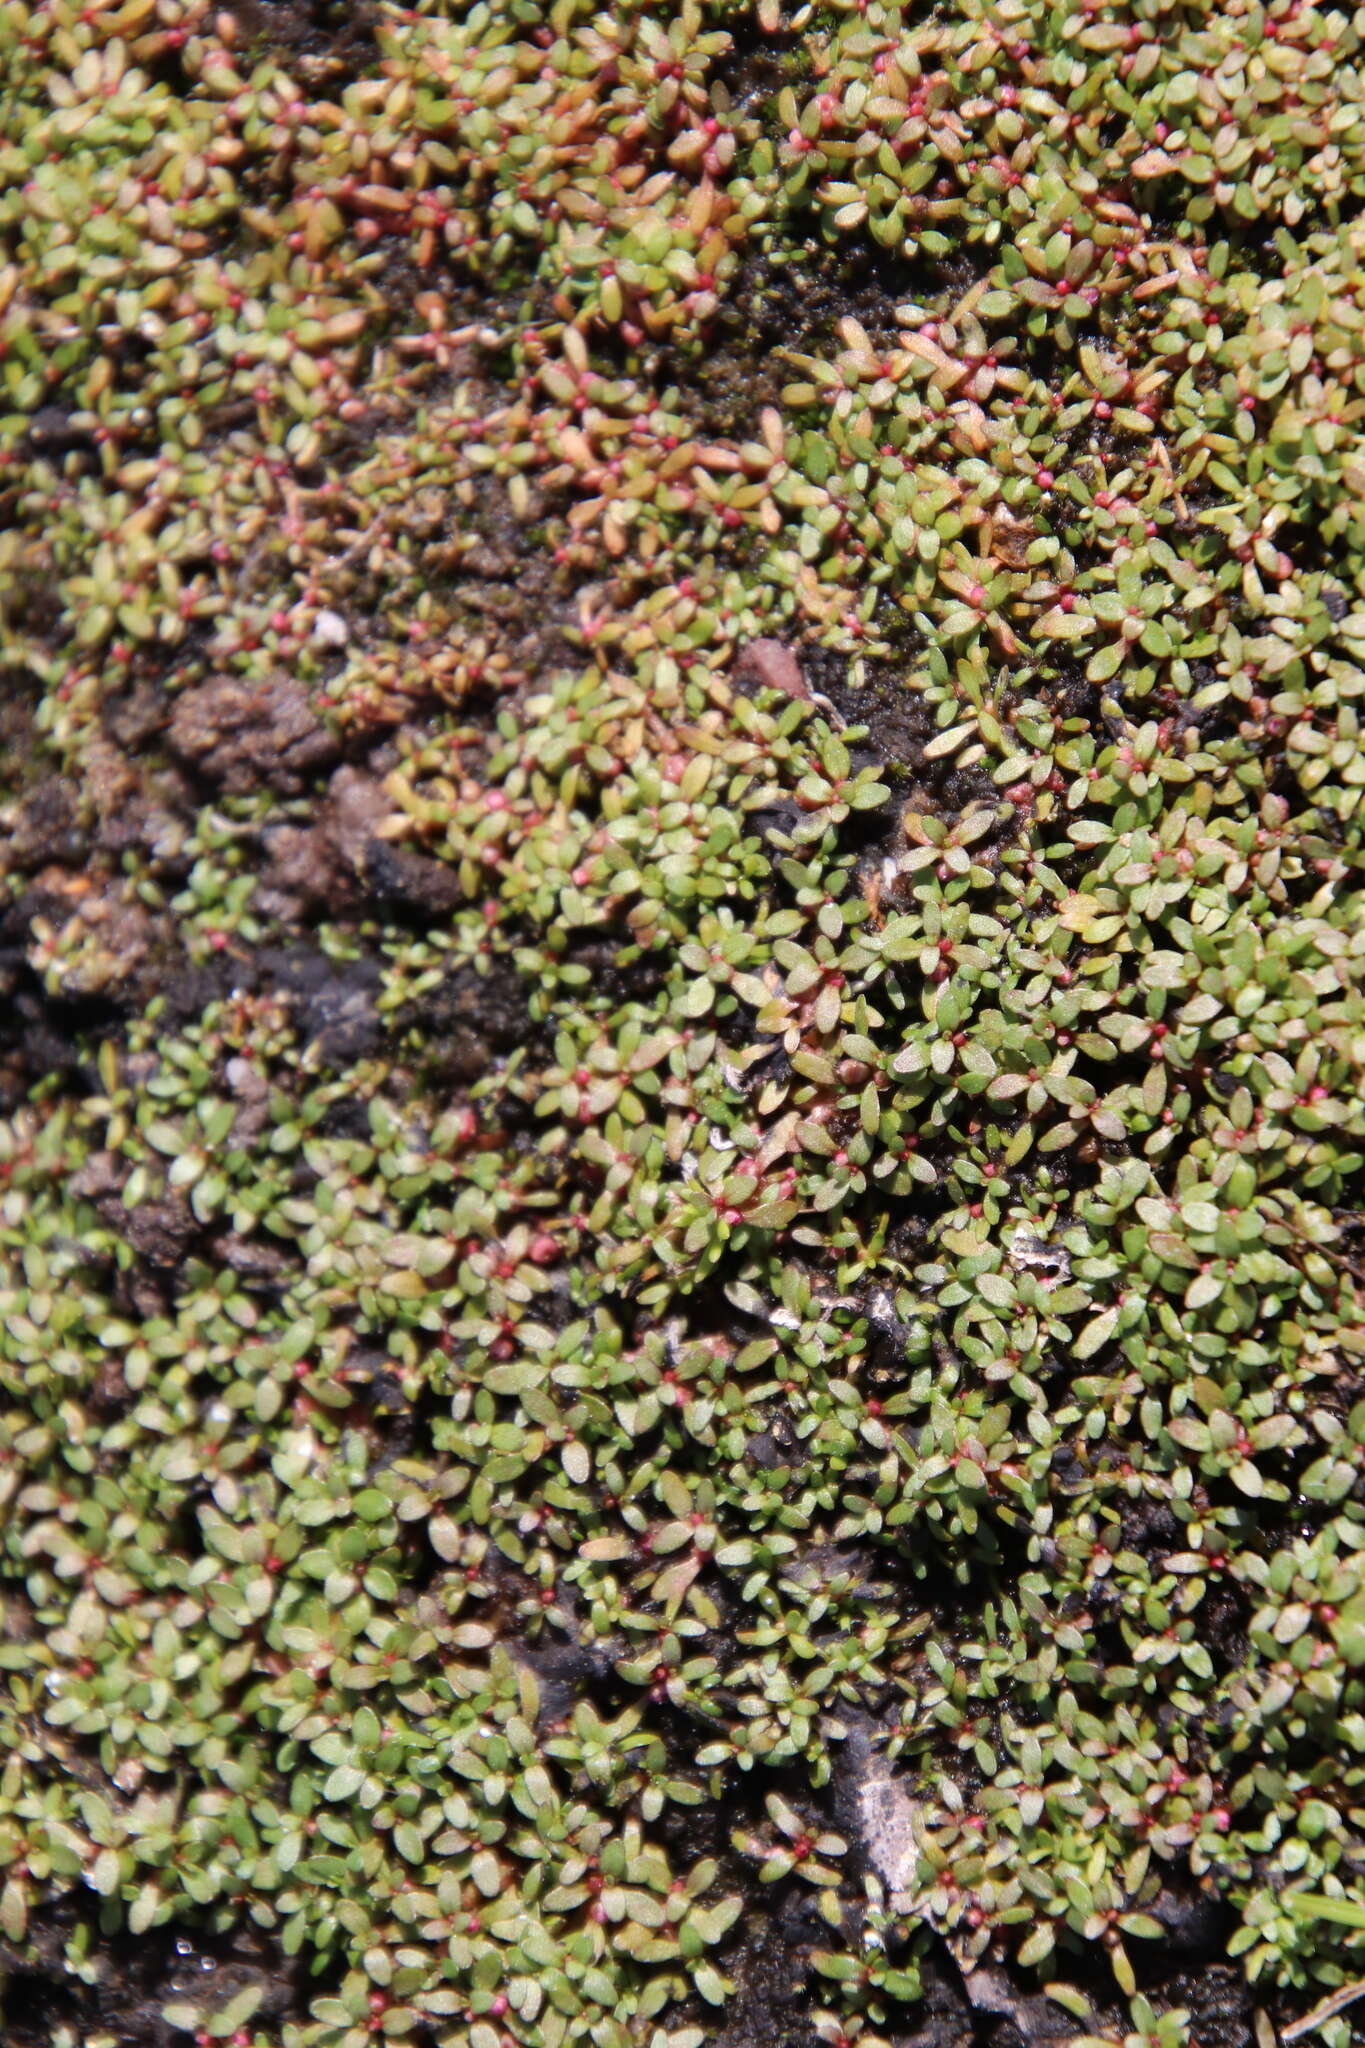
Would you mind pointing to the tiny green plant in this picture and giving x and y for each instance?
(682, 1072)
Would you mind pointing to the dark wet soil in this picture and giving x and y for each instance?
(127, 1982)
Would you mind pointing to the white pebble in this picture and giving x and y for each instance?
(330, 629)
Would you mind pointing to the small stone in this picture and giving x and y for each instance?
(1026, 1250)
(888, 1815)
(358, 807)
(103, 1173)
(773, 664)
(330, 629)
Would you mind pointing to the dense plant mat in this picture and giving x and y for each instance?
(682, 1344)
